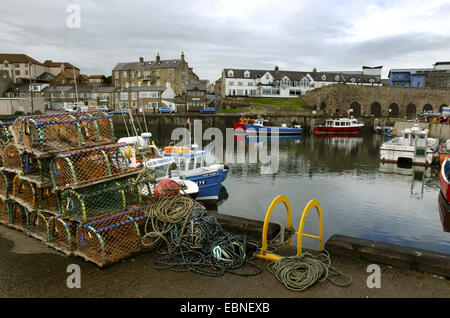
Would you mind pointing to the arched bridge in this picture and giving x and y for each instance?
(377, 100)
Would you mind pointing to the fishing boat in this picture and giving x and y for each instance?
(444, 151)
(444, 212)
(341, 125)
(191, 166)
(412, 147)
(256, 126)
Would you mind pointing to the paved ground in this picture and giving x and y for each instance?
(30, 269)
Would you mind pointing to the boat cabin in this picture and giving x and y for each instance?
(343, 122)
(415, 137)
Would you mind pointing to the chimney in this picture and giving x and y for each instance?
(276, 68)
(158, 58)
(141, 60)
(182, 56)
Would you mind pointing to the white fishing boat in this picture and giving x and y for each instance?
(412, 147)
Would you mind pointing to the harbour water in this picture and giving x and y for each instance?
(360, 196)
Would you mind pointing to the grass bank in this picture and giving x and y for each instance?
(282, 103)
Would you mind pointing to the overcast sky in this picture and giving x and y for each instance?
(254, 34)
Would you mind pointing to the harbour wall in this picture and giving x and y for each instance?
(159, 123)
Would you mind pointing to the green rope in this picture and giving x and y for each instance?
(299, 272)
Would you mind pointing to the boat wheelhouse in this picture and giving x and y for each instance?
(412, 147)
(341, 125)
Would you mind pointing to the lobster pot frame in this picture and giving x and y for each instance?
(5, 211)
(26, 192)
(12, 158)
(39, 225)
(62, 132)
(109, 240)
(20, 216)
(6, 183)
(5, 135)
(63, 232)
(81, 167)
(90, 203)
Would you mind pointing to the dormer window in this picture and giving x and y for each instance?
(230, 73)
(324, 77)
(247, 74)
(336, 78)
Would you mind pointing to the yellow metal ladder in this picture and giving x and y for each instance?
(281, 198)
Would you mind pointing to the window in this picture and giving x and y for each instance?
(250, 83)
(247, 74)
(230, 73)
(231, 83)
(267, 76)
(17, 72)
(336, 78)
(304, 82)
(240, 83)
(53, 95)
(157, 73)
(324, 77)
(285, 82)
(124, 96)
(133, 95)
(158, 83)
(72, 95)
(18, 65)
(5, 64)
(124, 74)
(170, 72)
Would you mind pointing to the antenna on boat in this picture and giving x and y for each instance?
(145, 120)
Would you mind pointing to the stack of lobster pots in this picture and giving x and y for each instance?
(65, 181)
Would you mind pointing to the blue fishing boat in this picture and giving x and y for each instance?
(191, 166)
(256, 126)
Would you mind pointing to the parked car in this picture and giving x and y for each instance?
(165, 110)
(208, 110)
(103, 108)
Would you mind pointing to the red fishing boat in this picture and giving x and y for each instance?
(444, 175)
(341, 125)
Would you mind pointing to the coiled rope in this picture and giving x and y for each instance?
(195, 241)
(299, 272)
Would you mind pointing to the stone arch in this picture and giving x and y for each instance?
(356, 109)
(442, 106)
(427, 107)
(393, 110)
(410, 109)
(375, 109)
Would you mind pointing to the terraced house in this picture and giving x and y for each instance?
(155, 73)
(276, 83)
(21, 67)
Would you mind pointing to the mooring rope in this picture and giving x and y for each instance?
(299, 272)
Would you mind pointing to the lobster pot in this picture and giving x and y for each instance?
(20, 216)
(62, 132)
(6, 183)
(142, 219)
(90, 203)
(48, 200)
(25, 192)
(76, 168)
(63, 232)
(39, 225)
(5, 212)
(38, 168)
(109, 240)
(12, 158)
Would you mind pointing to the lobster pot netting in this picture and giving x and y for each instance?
(20, 216)
(93, 202)
(5, 135)
(39, 225)
(111, 239)
(63, 232)
(80, 167)
(5, 214)
(48, 200)
(12, 158)
(25, 192)
(62, 132)
(6, 183)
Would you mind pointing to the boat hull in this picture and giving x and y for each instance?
(444, 183)
(336, 130)
(209, 185)
(396, 155)
(268, 130)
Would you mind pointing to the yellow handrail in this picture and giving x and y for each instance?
(281, 198)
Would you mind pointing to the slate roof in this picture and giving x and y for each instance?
(17, 58)
(297, 76)
(146, 65)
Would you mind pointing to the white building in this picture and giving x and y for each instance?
(276, 83)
